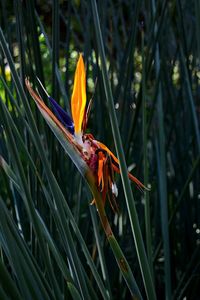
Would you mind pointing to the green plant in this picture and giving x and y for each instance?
(145, 57)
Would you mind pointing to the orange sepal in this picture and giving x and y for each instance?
(78, 100)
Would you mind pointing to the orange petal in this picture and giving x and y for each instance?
(139, 184)
(100, 169)
(101, 145)
(78, 100)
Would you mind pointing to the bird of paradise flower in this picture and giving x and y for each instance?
(100, 160)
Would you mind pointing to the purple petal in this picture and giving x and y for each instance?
(62, 115)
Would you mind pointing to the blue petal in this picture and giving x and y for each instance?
(62, 115)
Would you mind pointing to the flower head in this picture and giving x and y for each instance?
(101, 161)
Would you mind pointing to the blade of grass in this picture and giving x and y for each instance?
(161, 162)
(20, 258)
(27, 197)
(3, 295)
(185, 187)
(189, 272)
(55, 46)
(179, 201)
(100, 250)
(164, 222)
(46, 234)
(190, 98)
(74, 292)
(146, 195)
(44, 229)
(66, 208)
(75, 264)
(9, 173)
(36, 139)
(8, 284)
(57, 71)
(127, 57)
(31, 25)
(58, 258)
(145, 270)
(20, 35)
(197, 13)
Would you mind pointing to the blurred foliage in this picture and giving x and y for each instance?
(51, 243)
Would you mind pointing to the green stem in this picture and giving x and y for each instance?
(119, 256)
